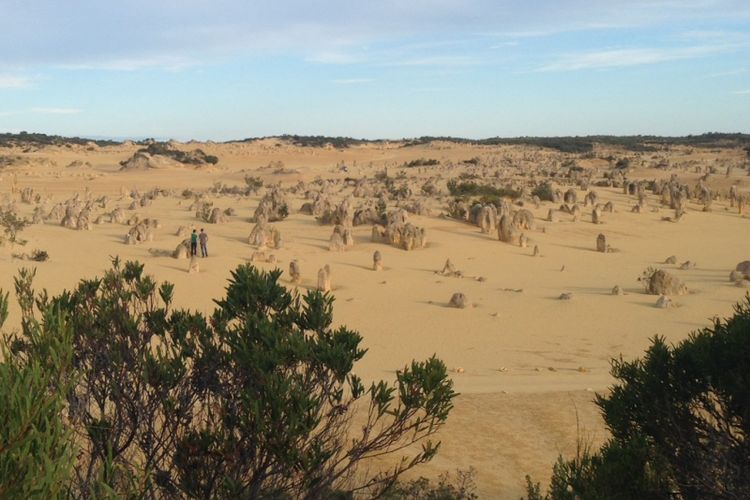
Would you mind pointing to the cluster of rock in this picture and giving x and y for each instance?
(142, 231)
(662, 283)
(341, 239)
(399, 232)
(265, 235)
(741, 274)
(510, 228)
(273, 207)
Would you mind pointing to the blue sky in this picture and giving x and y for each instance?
(227, 69)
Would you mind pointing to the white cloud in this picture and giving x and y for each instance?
(741, 92)
(14, 81)
(630, 57)
(57, 111)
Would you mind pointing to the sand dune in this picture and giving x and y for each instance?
(524, 360)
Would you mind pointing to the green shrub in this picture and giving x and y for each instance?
(253, 183)
(39, 255)
(462, 487)
(679, 419)
(422, 162)
(622, 163)
(12, 224)
(544, 192)
(254, 401)
(36, 448)
(465, 189)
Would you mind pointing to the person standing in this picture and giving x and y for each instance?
(203, 238)
(194, 243)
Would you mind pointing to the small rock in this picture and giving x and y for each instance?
(664, 302)
(458, 300)
(672, 259)
(566, 296)
(617, 290)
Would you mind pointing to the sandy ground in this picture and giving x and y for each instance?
(525, 362)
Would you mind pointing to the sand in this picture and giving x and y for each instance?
(525, 362)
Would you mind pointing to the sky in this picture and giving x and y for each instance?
(230, 69)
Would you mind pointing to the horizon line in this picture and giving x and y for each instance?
(450, 138)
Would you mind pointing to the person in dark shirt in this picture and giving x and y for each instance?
(203, 238)
(194, 243)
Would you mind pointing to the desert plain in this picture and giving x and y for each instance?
(540, 323)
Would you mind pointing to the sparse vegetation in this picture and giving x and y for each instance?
(34, 139)
(462, 487)
(12, 224)
(635, 143)
(253, 183)
(544, 192)
(422, 162)
(622, 163)
(194, 157)
(39, 255)
(316, 141)
(466, 189)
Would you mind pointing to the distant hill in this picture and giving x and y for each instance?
(36, 139)
(566, 144)
(584, 144)
(316, 141)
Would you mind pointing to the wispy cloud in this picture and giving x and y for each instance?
(630, 57)
(168, 63)
(57, 111)
(429, 89)
(331, 57)
(741, 92)
(512, 43)
(435, 61)
(351, 81)
(14, 81)
(730, 72)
